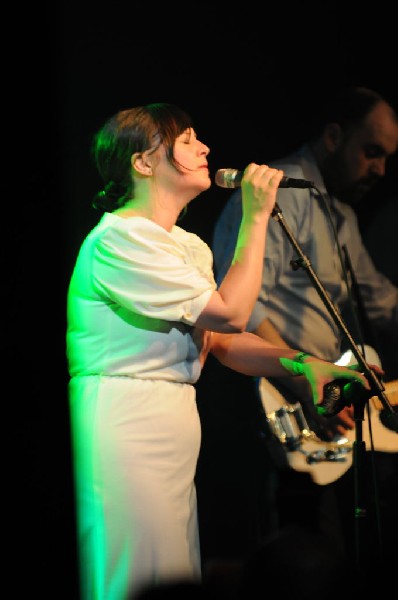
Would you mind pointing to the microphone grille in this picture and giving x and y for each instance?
(227, 178)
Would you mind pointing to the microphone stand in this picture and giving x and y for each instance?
(377, 388)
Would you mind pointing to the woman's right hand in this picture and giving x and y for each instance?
(259, 188)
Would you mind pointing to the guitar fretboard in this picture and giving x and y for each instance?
(391, 391)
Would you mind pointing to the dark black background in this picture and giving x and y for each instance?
(250, 78)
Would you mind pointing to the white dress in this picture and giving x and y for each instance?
(133, 353)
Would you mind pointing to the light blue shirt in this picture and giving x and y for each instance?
(288, 298)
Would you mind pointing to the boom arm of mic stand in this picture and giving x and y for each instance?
(303, 262)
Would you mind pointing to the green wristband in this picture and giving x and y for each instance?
(297, 368)
(301, 356)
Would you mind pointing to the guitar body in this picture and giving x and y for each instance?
(326, 461)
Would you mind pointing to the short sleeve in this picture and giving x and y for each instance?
(144, 268)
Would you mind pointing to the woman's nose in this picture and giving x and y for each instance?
(205, 149)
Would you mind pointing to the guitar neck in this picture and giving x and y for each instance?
(391, 391)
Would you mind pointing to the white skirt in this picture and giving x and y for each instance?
(136, 445)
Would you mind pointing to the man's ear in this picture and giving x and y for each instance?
(332, 136)
(141, 164)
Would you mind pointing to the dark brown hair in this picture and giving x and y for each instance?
(138, 129)
(348, 107)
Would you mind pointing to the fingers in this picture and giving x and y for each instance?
(321, 373)
(350, 374)
(378, 370)
(342, 430)
(259, 189)
(355, 376)
(262, 176)
(346, 418)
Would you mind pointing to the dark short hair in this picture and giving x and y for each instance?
(347, 107)
(138, 129)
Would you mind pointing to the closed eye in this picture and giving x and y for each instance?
(374, 151)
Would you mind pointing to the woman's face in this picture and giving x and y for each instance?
(191, 156)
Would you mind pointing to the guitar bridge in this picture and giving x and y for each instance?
(289, 425)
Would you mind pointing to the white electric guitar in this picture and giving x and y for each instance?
(326, 461)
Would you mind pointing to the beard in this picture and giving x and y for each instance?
(339, 183)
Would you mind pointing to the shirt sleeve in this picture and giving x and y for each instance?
(378, 293)
(142, 267)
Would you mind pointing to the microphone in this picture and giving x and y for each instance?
(338, 393)
(231, 178)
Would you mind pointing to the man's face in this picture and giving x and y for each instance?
(359, 160)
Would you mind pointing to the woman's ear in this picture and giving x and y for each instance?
(141, 164)
(332, 136)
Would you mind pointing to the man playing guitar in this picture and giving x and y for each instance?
(354, 135)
